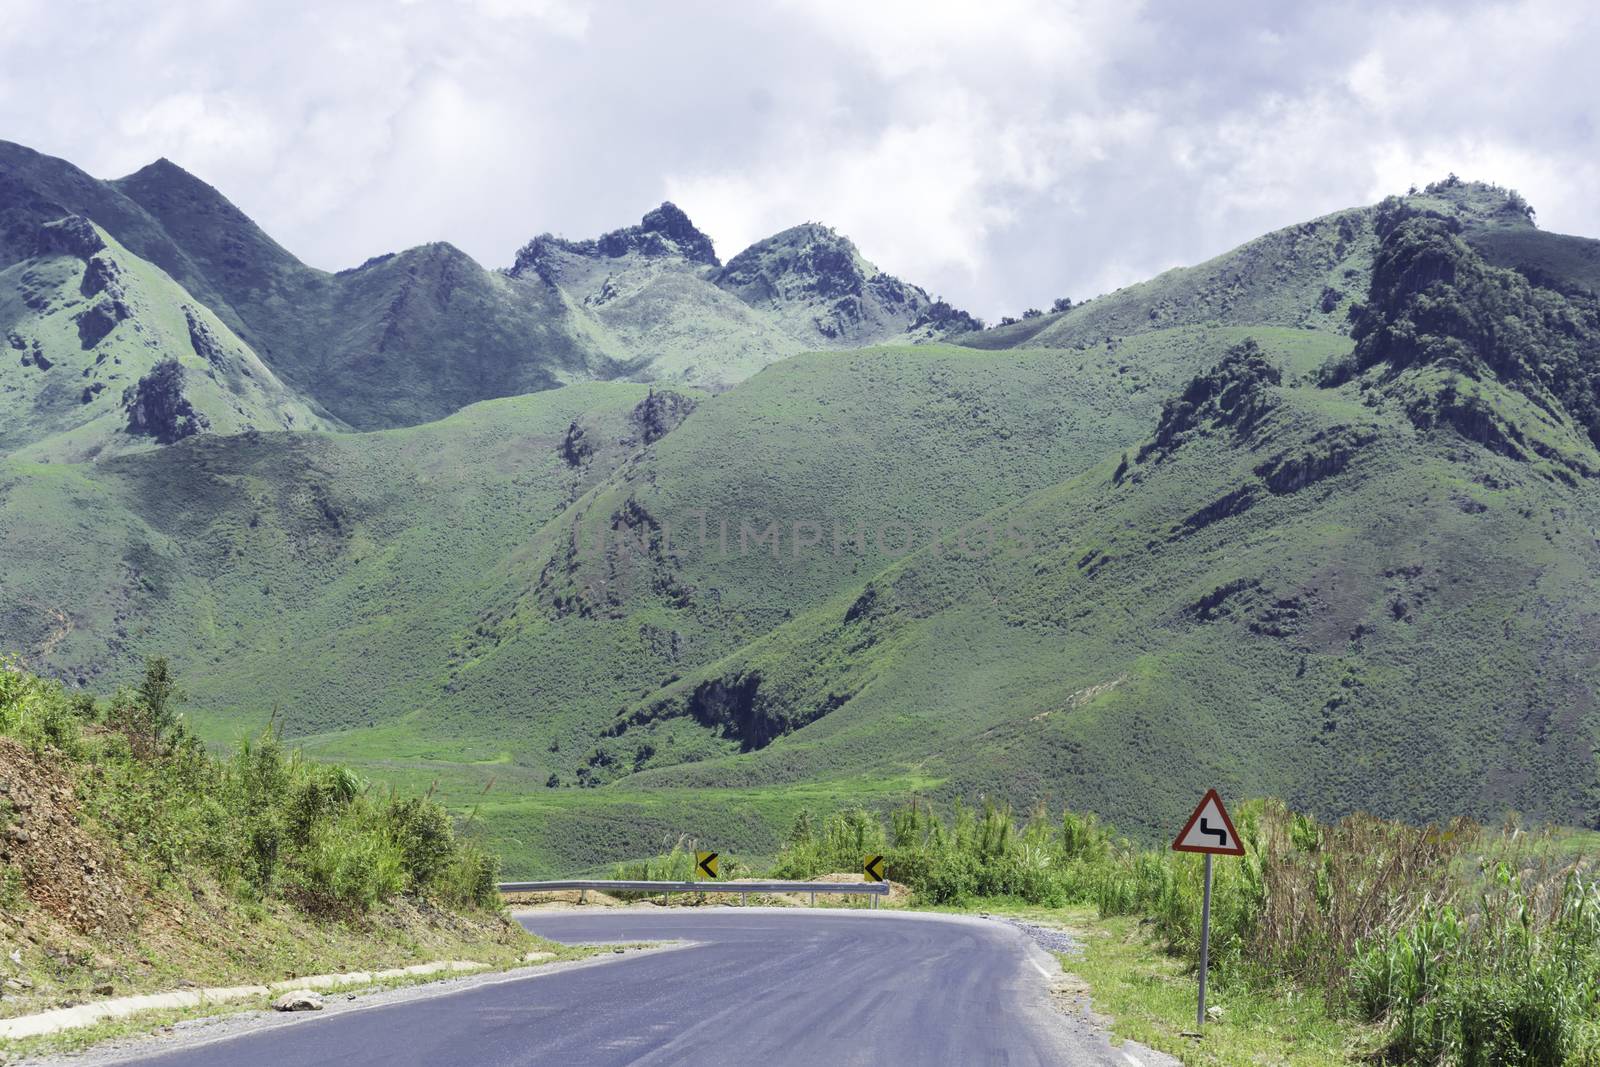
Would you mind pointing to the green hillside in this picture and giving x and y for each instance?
(1307, 275)
(85, 323)
(1314, 519)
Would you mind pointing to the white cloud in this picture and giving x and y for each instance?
(567, 17)
(912, 194)
(211, 132)
(1003, 154)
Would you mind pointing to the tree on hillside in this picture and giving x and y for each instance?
(148, 714)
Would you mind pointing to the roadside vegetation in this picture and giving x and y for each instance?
(260, 819)
(1458, 944)
(134, 860)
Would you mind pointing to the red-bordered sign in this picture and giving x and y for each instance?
(1209, 830)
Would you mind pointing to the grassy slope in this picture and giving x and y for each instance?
(399, 572)
(130, 866)
(968, 675)
(1278, 279)
(351, 556)
(1435, 653)
(72, 409)
(917, 434)
(1305, 276)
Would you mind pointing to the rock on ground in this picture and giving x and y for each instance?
(298, 1000)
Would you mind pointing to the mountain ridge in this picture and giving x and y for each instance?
(408, 337)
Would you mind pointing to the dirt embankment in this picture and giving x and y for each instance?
(81, 921)
(48, 859)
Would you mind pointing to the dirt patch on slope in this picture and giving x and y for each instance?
(62, 869)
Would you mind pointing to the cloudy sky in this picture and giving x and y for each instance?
(1001, 153)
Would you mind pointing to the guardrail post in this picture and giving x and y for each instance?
(813, 898)
(744, 900)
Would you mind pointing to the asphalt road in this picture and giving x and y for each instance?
(758, 987)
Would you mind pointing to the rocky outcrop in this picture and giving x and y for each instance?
(845, 298)
(577, 445)
(941, 317)
(1326, 454)
(98, 320)
(1232, 395)
(102, 275)
(808, 260)
(202, 340)
(659, 413)
(73, 235)
(666, 231)
(157, 408)
(1237, 502)
(1434, 301)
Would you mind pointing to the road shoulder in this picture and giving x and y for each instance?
(198, 1031)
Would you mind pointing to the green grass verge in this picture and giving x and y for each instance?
(1149, 997)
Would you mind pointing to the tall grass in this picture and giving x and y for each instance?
(1462, 945)
(262, 820)
(676, 864)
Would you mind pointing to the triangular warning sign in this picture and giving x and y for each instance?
(1209, 830)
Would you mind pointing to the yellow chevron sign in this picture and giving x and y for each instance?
(705, 864)
(872, 869)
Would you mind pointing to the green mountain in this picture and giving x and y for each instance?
(411, 337)
(1314, 519)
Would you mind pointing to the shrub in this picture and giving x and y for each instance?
(351, 863)
(148, 714)
(35, 711)
(262, 820)
(425, 836)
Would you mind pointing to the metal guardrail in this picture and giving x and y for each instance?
(744, 889)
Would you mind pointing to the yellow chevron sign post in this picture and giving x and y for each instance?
(1208, 831)
(872, 869)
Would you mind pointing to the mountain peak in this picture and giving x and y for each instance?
(809, 257)
(665, 231)
(1467, 204)
(164, 172)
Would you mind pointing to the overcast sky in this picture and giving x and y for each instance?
(999, 153)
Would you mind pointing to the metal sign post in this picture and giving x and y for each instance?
(1209, 831)
(872, 870)
(1205, 946)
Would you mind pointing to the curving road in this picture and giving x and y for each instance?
(756, 986)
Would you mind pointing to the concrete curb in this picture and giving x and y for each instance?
(52, 1022)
